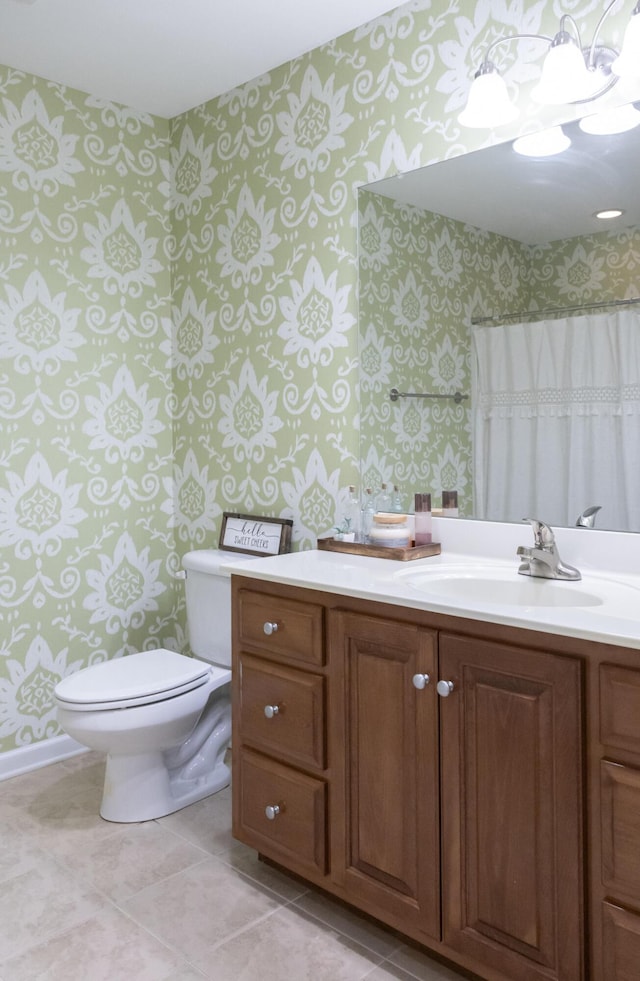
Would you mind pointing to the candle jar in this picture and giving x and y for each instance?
(390, 530)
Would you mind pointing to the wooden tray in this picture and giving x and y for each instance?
(398, 552)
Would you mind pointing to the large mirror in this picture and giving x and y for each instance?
(490, 275)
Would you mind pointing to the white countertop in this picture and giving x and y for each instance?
(603, 606)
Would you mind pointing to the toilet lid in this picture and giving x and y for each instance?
(144, 677)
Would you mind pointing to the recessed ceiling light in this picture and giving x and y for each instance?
(609, 213)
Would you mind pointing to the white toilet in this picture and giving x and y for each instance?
(163, 719)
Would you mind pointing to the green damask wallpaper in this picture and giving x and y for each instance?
(422, 279)
(87, 547)
(178, 321)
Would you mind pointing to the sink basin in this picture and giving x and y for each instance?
(503, 589)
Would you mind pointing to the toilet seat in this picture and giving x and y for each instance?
(137, 679)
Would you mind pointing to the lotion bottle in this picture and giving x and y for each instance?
(449, 504)
(423, 534)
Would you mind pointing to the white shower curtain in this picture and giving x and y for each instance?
(556, 409)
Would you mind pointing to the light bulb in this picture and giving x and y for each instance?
(627, 64)
(488, 104)
(565, 76)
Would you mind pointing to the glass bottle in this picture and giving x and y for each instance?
(353, 514)
(383, 501)
(368, 511)
(396, 501)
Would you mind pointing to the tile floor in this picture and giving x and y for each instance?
(170, 900)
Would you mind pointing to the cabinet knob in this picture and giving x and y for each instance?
(271, 710)
(420, 681)
(272, 811)
(270, 628)
(444, 688)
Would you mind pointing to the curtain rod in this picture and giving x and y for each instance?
(476, 321)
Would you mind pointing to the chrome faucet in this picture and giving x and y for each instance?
(588, 517)
(543, 560)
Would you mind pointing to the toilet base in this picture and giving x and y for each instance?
(140, 788)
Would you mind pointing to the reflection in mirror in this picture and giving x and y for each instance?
(514, 239)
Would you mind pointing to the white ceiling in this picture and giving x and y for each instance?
(167, 56)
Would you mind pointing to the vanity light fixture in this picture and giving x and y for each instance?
(571, 73)
(546, 143)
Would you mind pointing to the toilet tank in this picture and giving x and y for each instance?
(208, 594)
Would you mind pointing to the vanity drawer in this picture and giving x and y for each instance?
(282, 711)
(295, 831)
(620, 793)
(281, 628)
(620, 707)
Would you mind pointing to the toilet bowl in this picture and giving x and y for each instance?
(163, 719)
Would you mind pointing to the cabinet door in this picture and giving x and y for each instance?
(385, 792)
(621, 928)
(512, 809)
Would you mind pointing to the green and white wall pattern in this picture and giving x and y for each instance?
(86, 408)
(178, 321)
(423, 278)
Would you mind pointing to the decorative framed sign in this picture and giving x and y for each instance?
(255, 535)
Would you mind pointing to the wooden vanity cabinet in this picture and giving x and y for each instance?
(449, 803)
(459, 804)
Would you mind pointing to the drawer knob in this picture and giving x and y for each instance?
(271, 710)
(444, 688)
(270, 628)
(420, 681)
(272, 811)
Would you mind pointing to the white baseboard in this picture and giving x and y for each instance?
(32, 757)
